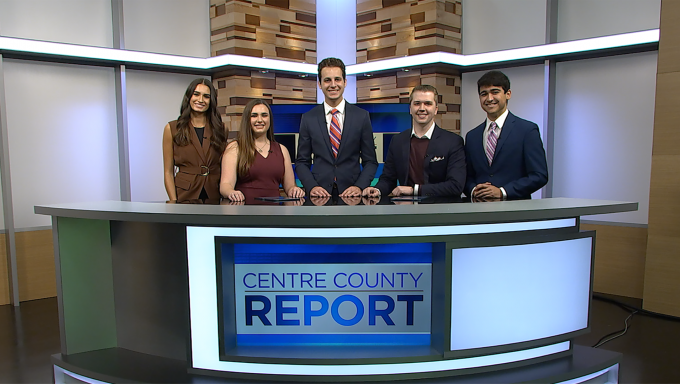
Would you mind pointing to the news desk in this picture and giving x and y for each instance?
(436, 293)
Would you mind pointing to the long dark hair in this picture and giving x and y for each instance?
(245, 139)
(219, 134)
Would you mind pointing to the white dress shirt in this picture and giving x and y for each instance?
(500, 121)
(329, 116)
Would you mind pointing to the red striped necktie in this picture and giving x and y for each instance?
(491, 141)
(335, 132)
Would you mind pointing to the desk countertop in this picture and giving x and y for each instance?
(338, 216)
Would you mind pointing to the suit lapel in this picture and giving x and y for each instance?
(403, 163)
(506, 131)
(196, 143)
(429, 153)
(323, 127)
(481, 154)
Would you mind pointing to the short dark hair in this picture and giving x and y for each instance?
(424, 88)
(332, 62)
(494, 78)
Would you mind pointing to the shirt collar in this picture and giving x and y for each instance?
(341, 107)
(499, 121)
(427, 135)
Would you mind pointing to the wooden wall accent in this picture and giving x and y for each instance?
(277, 29)
(396, 28)
(35, 265)
(4, 272)
(662, 267)
(619, 259)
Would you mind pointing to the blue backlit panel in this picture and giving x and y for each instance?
(328, 294)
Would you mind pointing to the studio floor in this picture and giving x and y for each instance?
(650, 348)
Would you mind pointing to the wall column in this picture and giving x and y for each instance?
(662, 265)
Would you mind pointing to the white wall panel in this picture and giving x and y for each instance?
(178, 27)
(62, 136)
(85, 22)
(580, 19)
(526, 84)
(492, 25)
(153, 99)
(604, 118)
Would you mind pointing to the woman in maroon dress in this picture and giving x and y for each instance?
(254, 165)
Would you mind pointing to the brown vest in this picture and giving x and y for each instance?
(199, 166)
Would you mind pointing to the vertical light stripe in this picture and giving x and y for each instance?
(336, 36)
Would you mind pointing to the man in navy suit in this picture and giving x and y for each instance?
(505, 155)
(426, 160)
(337, 138)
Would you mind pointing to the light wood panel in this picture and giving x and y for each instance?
(619, 259)
(662, 265)
(4, 273)
(35, 265)
(664, 208)
(669, 43)
(666, 115)
(662, 288)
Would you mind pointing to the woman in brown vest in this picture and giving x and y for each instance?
(255, 164)
(194, 143)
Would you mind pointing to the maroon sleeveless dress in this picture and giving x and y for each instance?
(265, 175)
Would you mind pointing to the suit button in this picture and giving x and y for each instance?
(490, 175)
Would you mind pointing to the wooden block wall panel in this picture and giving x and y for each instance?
(4, 273)
(619, 259)
(236, 89)
(395, 28)
(395, 87)
(279, 29)
(35, 265)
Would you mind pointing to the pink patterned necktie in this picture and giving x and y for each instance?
(491, 141)
(335, 132)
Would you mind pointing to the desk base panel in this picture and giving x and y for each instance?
(115, 365)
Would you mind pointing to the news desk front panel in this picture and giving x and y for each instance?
(329, 293)
(488, 289)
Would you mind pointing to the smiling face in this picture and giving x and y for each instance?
(259, 120)
(332, 85)
(494, 100)
(423, 108)
(200, 98)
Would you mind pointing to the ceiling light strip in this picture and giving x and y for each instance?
(47, 48)
(539, 51)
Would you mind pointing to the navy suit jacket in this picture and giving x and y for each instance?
(356, 144)
(444, 165)
(518, 165)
